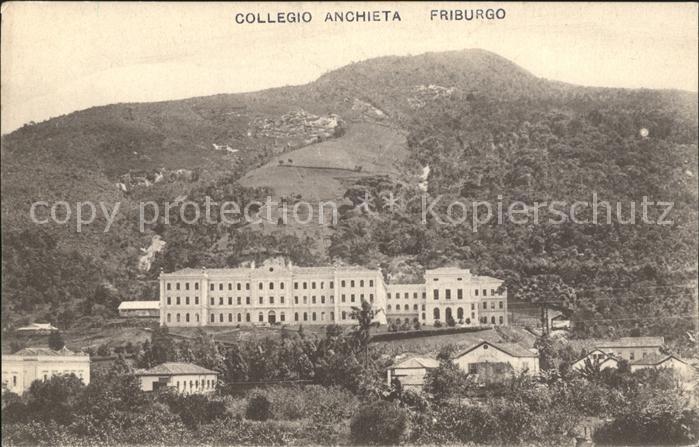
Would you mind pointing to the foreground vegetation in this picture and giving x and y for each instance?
(344, 399)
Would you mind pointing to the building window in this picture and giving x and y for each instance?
(388, 307)
(247, 300)
(281, 300)
(305, 316)
(322, 299)
(352, 298)
(500, 304)
(313, 299)
(196, 300)
(388, 296)
(473, 306)
(436, 313)
(168, 318)
(406, 295)
(247, 317)
(247, 286)
(313, 285)
(361, 283)
(177, 286)
(220, 286)
(371, 297)
(282, 317)
(296, 285)
(212, 318)
(230, 318)
(476, 290)
(492, 305)
(342, 283)
(238, 301)
(415, 307)
(332, 316)
(186, 317)
(271, 286)
(220, 301)
(502, 321)
(485, 292)
(237, 286)
(239, 318)
(196, 318)
(168, 301)
(211, 287)
(168, 286)
(260, 317)
(414, 295)
(448, 294)
(313, 315)
(492, 320)
(281, 285)
(305, 300)
(332, 285)
(220, 318)
(371, 283)
(436, 294)
(485, 305)
(186, 286)
(186, 300)
(230, 286)
(177, 317)
(296, 316)
(196, 286)
(351, 283)
(344, 315)
(459, 294)
(305, 285)
(322, 316)
(177, 300)
(271, 300)
(296, 300)
(259, 286)
(261, 300)
(343, 298)
(406, 307)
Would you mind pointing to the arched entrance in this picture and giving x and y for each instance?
(460, 313)
(436, 313)
(271, 317)
(447, 314)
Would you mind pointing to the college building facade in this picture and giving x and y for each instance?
(286, 294)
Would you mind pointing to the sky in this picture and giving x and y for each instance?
(61, 57)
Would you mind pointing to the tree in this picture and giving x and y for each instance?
(364, 316)
(379, 422)
(447, 379)
(56, 341)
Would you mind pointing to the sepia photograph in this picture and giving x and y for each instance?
(349, 223)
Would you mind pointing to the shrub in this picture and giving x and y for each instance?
(380, 422)
(437, 323)
(259, 408)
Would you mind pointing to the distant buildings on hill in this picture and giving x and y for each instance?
(287, 294)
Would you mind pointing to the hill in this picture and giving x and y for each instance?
(478, 125)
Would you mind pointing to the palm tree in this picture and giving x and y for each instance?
(364, 316)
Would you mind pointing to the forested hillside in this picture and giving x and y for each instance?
(486, 129)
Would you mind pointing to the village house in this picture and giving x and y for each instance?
(22, 368)
(278, 293)
(627, 348)
(139, 309)
(410, 372)
(491, 361)
(599, 358)
(658, 361)
(185, 378)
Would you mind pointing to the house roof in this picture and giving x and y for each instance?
(261, 270)
(40, 351)
(622, 342)
(38, 327)
(656, 359)
(607, 356)
(511, 349)
(139, 305)
(417, 362)
(174, 368)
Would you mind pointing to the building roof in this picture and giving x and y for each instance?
(40, 351)
(38, 327)
(417, 362)
(174, 368)
(511, 349)
(139, 305)
(656, 359)
(607, 356)
(261, 270)
(622, 342)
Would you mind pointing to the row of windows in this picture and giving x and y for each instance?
(270, 300)
(304, 285)
(406, 295)
(207, 384)
(271, 317)
(492, 305)
(460, 293)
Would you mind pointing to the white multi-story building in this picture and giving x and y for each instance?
(22, 368)
(286, 294)
(185, 378)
